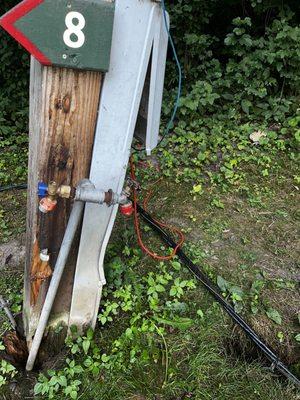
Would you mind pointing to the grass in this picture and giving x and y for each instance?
(12, 215)
(253, 235)
(199, 369)
(245, 236)
(11, 284)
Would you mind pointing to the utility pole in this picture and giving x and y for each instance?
(90, 60)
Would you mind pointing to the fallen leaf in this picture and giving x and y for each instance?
(256, 136)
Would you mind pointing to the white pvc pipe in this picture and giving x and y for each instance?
(73, 223)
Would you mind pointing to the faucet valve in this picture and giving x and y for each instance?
(49, 194)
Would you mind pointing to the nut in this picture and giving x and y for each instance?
(64, 191)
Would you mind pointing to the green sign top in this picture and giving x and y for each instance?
(66, 33)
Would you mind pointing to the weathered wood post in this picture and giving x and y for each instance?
(82, 126)
(63, 114)
(70, 44)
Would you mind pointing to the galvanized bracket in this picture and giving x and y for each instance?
(139, 31)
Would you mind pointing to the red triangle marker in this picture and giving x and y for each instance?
(7, 23)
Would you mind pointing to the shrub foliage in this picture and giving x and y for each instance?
(241, 68)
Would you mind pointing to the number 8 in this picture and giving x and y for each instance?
(74, 29)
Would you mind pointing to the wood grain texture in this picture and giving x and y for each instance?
(63, 113)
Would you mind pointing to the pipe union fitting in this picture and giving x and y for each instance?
(90, 195)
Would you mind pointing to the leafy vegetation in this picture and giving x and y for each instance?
(153, 316)
(14, 82)
(7, 371)
(240, 79)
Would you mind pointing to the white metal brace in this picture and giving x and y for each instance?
(139, 31)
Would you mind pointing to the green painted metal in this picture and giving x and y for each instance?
(80, 41)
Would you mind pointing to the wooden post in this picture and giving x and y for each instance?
(63, 115)
(69, 39)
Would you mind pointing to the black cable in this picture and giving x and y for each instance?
(214, 290)
(11, 187)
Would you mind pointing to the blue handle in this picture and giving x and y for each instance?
(42, 189)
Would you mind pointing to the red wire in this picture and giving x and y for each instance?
(163, 225)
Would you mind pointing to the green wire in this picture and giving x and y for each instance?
(179, 88)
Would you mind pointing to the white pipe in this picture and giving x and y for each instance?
(92, 195)
(73, 223)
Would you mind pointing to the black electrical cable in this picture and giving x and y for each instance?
(213, 289)
(15, 187)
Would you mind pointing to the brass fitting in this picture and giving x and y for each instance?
(48, 203)
(52, 190)
(64, 191)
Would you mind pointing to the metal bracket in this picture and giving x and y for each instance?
(139, 30)
(148, 121)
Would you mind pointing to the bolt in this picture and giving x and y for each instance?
(64, 56)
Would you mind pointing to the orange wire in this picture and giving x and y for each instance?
(161, 224)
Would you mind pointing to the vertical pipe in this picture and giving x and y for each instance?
(73, 223)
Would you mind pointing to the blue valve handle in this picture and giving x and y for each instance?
(42, 189)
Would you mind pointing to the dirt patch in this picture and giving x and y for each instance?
(12, 254)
